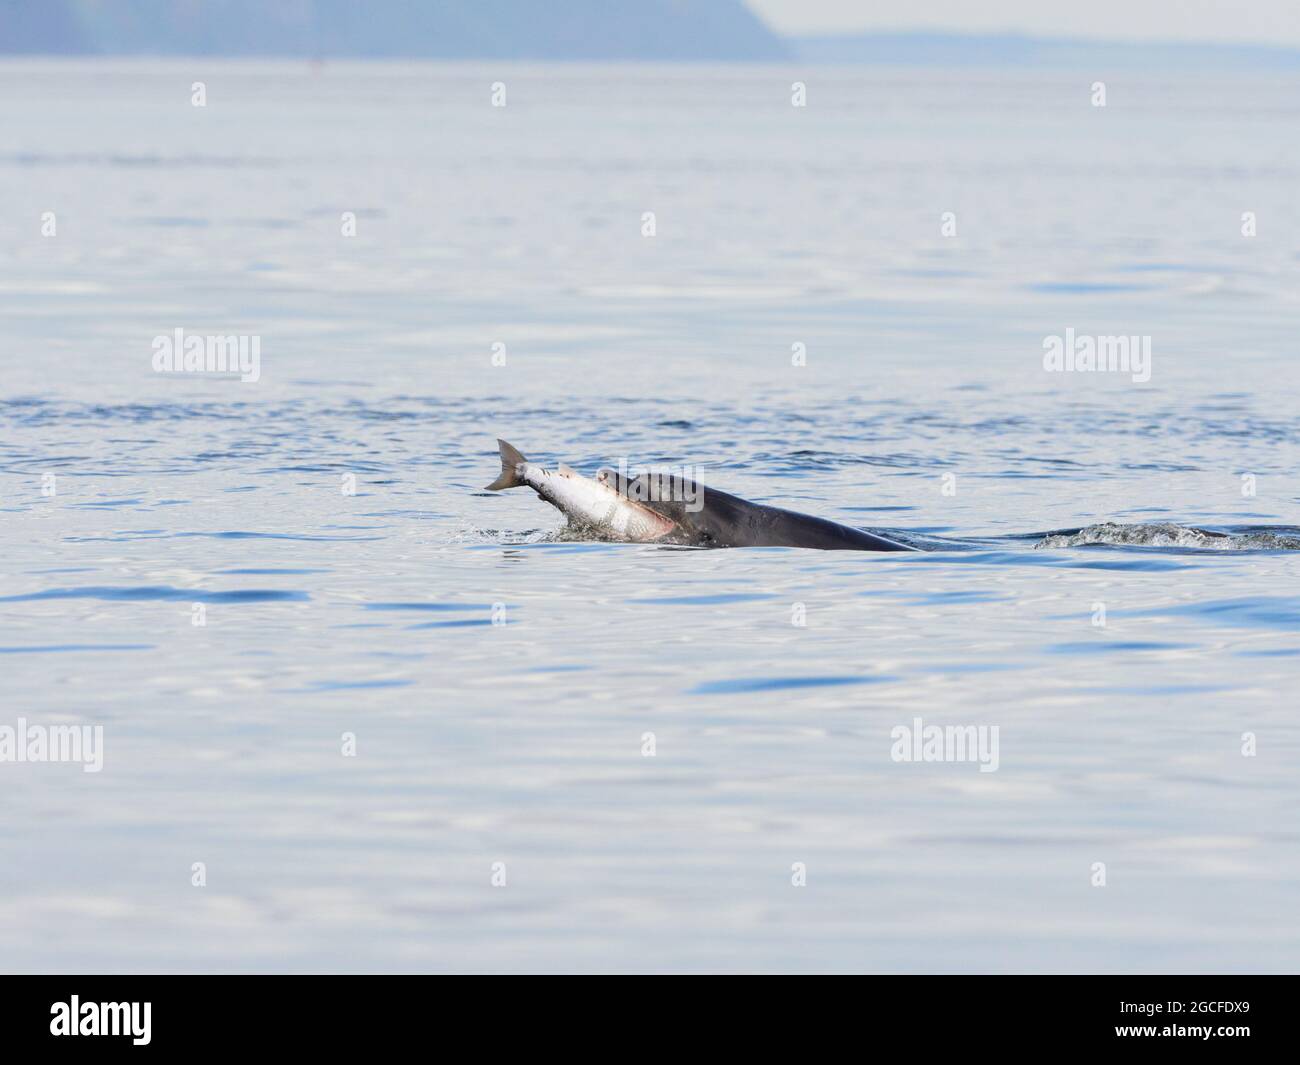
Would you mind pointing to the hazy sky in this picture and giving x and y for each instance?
(1268, 21)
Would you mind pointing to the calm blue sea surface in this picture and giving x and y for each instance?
(799, 328)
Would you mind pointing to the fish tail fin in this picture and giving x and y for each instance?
(511, 460)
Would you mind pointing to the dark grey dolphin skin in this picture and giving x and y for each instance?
(706, 517)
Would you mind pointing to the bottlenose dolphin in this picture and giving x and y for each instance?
(667, 509)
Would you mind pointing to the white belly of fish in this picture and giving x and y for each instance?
(597, 506)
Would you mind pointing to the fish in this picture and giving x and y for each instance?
(590, 505)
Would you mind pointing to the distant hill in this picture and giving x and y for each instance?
(28, 26)
(1011, 50)
(595, 30)
(417, 29)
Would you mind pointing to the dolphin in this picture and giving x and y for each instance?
(656, 507)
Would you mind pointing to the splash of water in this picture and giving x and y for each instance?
(1166, 534)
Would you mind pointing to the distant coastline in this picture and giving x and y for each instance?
(575, 31)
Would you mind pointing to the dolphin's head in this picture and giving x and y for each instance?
(679, 500)
(611, 478)
(640, 487)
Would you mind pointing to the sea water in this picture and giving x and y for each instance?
(359, 714)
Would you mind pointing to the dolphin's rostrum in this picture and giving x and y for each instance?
(659, 508)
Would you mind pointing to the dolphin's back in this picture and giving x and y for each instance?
(734, 522)
(777, 527)
(717, 519)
